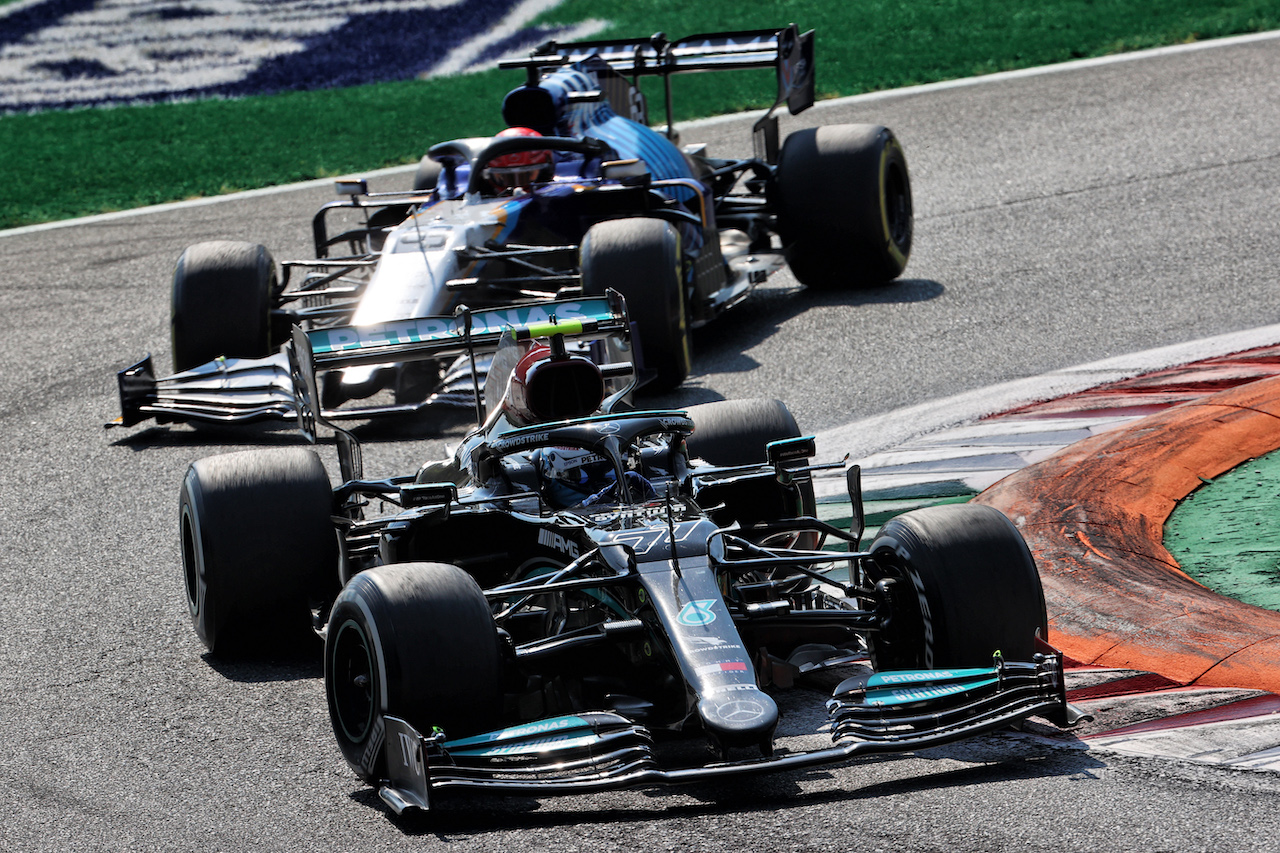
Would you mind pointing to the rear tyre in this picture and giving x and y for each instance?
(222, 301)
(844, 205)
(966, 586)
(417, 641)
(735, 432)
(258, 549)
(640, 258)
(381, 223)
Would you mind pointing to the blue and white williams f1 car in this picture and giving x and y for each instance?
(578, 196)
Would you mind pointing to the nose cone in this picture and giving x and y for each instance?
(739, 717)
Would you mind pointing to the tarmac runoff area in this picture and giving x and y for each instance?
(1090, 476)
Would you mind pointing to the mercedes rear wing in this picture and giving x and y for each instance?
(285, 386)
(462, 332)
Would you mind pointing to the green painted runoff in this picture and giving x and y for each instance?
(1226, 534)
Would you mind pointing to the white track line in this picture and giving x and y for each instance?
(894, 429)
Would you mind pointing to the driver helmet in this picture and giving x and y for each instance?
(544, 387)
(573, 476)
(568, 476)
(519, 169)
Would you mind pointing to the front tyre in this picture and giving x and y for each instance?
(735, 432)
(221, 303)
(258, 549)
(416, 641)
(965, 586)
(640, 258)
(843, 196)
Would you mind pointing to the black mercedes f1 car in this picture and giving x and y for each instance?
(582, 589)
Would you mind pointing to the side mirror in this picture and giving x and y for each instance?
(790, 449)
(440, 495)
(632, 173)
(351, 186)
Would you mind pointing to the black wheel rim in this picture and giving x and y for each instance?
(352, 681)
(902, 646)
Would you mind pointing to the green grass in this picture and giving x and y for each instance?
(63, 164)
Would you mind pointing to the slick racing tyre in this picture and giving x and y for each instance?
(258, 549)
(965, 587)
(381, 223)
(735, 432)
(222, 300)
(416, 641)
(844, 205)
(640, 258)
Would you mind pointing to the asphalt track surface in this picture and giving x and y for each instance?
(1061, 219)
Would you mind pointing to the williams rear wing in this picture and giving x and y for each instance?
(786, 50)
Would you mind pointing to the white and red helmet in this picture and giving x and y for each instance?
(545, 387)
(519, 168)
